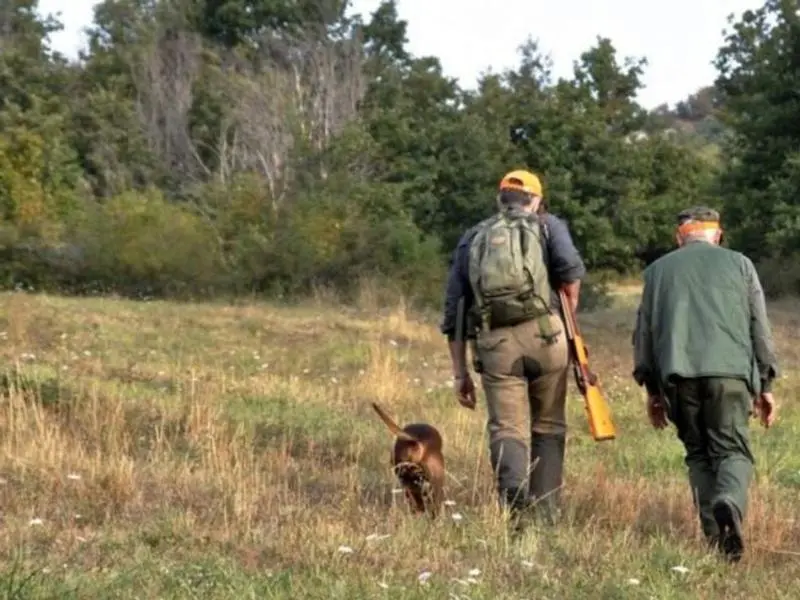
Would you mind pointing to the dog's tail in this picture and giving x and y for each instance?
(392, 425)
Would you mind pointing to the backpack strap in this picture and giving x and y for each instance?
(549, 335)
(545, 326)
(479, 308)
(545, 238)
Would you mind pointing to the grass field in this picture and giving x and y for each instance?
(157, 450)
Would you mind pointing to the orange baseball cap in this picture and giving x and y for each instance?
(521, 180)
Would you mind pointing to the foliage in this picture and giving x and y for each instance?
(273, 147)
(759, 71)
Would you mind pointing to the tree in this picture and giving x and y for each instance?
(759, 83)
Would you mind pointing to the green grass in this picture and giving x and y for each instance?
(158, 450)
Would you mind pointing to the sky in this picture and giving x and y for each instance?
(679, 38)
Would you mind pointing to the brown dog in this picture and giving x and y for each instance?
(418, 463)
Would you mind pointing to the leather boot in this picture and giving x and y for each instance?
(547, 464)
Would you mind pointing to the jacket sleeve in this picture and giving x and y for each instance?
(566, 264)
(457, 286)
(760, 330)
(645, 371)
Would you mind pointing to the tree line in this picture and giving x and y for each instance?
(201, 148)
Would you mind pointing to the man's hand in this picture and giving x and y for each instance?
(465, 390)
(656, 412)
(572, 291)
(765, 407)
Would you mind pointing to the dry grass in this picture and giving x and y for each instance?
(156, 450)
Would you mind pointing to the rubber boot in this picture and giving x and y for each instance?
(547, 464)
(509, 458)
(515, 500)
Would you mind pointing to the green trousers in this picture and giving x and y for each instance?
(712, 416)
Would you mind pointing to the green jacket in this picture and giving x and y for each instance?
(703, 314)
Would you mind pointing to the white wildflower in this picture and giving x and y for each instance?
(424, 576)
(345, 550)
(680, 569)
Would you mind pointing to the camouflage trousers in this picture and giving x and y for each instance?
(712, 416)
(524, 378)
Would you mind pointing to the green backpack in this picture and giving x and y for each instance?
(507, 270)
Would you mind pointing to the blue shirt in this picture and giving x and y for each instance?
(562, 257)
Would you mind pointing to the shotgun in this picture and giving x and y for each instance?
(598, 411)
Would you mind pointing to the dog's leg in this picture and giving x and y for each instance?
(436, 497)
(415, 499)
(431, 505)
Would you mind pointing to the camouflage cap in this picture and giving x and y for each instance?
(698, 213)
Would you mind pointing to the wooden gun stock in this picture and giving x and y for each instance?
(598, 411)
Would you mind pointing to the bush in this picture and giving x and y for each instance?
(337, 236)
(780, 276)
(139, 243)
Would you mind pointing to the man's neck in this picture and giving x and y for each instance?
(695, 241)
(516, 210)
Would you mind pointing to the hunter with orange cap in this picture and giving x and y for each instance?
(505, 273)
(703, 350)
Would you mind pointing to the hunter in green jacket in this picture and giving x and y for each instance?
(703, 349)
